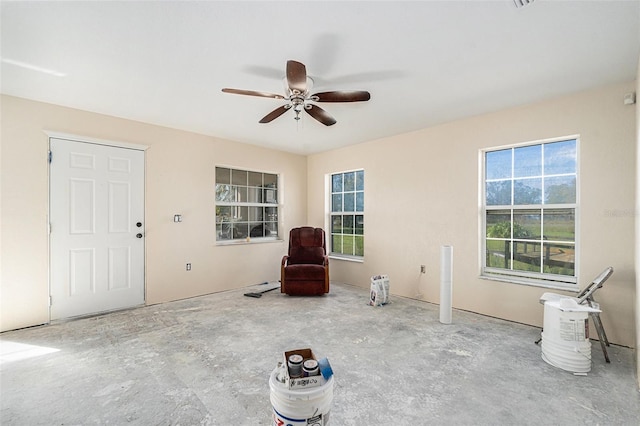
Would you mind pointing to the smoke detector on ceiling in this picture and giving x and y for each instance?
(522, 3)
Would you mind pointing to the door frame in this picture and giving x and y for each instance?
(95, 141)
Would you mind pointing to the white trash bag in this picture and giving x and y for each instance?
(379, 290)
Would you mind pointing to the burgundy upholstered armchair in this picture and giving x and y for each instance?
(305, 270)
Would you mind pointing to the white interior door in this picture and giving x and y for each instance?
(97, 228)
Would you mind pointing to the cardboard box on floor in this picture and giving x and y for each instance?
(302, 382)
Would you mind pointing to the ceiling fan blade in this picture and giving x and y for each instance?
(343, 96)
(275, 114)
(320, 115)
(296, 76)
(252, 93)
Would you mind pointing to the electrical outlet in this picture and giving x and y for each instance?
(188, 266)
(423, 269)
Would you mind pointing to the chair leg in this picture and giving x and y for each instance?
(604, 342)
(604, 335)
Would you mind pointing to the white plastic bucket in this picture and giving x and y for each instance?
(574, 357)
(565, 340)
(308, 406)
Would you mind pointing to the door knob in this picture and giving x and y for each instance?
(138, 235)
(139, 224)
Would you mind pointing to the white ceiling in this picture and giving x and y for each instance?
(424, 62)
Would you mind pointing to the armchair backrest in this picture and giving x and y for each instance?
(306, 246)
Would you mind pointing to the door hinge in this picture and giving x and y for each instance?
(50, 300)
(50, 156)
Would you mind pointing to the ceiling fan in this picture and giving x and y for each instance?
(297, 92)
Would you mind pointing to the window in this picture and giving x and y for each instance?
(246, 204)
(347, 214)
(529, 213)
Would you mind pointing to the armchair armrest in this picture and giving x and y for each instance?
(326, 274)
(282, 265)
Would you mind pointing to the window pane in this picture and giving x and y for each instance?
(527, 161)
(336, 224)
(498, 193)
(348, 244)
(359, 201)
(350, 181)
(271, 214)
(359, 245)
(240, 193)
(240, 213)
(336, 203)
(223, 214)
(336, 183)
(347, 197)
(523, 235)
(498, 164)
(560, 157)
(256, 230)
(270, 180)
(336, 243)
(240, 230)
(559, 259)
(498, 224)
(223, 231)
(223, 193)
(349, 202)
(271, 229)
(526, 224)
(359, 224)
(560, 190)
(560, 225)
(238, 220)
(347, 224)
(526, 256)
(360, 180)
(223, 175)
(255, 213)
(498, 254)
(254, 195)
(527, 191)
(270, 196)
(255, 179)
(239, 177)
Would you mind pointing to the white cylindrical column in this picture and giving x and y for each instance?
(446, 283)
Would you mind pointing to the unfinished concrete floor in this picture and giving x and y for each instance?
(207, 360)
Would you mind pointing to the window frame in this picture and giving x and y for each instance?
(330, 214)
(248, 239)
(537, 279)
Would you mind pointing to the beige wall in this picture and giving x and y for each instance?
(421, 192)
(179, 179)
(637, 215)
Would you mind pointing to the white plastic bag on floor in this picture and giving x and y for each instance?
(379, 290)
